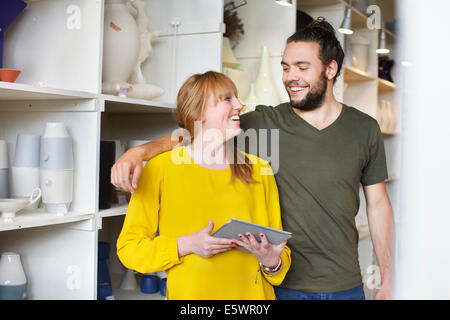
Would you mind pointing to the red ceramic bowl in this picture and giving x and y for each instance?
(9, 75)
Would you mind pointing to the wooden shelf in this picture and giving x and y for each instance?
(386, 86)
(352, 74)
(392, 178)
(16, 91)
(115, 210)
(389, 133)
(120, 294)
(39, 218)
(120, 104)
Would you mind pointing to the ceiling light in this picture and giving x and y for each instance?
(286, 3)
(382, 45)
(346, 25)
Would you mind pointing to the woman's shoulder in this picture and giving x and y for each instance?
(256, 161)
(158, 163)
(260, 166)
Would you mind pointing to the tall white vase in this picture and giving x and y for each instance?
(12, 277)
(56, 163)
(265, 88)
(251, 102)
(121, 45)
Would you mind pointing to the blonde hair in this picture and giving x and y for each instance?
(192, 101)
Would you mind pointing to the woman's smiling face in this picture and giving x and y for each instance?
(222, 114)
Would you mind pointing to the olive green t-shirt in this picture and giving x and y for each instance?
(318, 176)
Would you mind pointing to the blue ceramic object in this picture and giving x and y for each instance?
(104, 288)
(149, 283)
(163, 289)
(103, 292)
(13, 292)
(9, 10)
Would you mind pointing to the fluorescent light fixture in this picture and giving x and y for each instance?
(286, 3)
(346, 25)
(382, 45)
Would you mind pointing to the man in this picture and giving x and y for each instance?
(326, 150)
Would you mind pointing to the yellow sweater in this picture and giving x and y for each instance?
(178, 199)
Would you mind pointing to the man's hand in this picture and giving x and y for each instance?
(130, 163)
(385, 291)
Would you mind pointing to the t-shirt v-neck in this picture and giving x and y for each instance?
(313, 129)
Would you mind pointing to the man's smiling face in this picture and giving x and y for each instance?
(304, 75)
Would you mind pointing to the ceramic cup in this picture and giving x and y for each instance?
(27, 151)
(4, 160)
(4, 170)
(149, 283)
(4, 183)
(23, 182)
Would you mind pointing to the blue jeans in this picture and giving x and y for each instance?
(351, 294)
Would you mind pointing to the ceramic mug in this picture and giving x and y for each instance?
(149, 283)
(27, 151)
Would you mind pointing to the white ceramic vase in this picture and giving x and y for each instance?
(360, 52)
(241, 79)
(129, 281)
(56, 168)
(121, 43)
(12, 277)
(265, 88)
(252, 100)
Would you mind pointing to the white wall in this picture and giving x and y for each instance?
(265, 23)
(423, 243)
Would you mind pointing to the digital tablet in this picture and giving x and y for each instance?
(234, 227)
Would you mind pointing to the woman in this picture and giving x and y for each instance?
(186, 192)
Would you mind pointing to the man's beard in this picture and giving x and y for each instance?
(315, 96)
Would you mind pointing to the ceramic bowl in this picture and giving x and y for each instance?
(9, 75)
(9, 207)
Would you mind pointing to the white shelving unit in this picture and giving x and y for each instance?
(363, 90)
(61, 82)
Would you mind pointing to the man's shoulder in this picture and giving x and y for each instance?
(271, 109)
(262, 115)
(361, 118)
